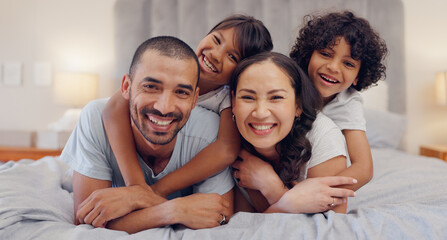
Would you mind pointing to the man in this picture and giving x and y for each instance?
(161, 85)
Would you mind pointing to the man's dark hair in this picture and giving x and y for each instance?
(166, 46)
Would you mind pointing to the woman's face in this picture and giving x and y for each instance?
(264, 106)
(218, 56)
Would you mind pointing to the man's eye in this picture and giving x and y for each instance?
(182, 92)
(150, 86)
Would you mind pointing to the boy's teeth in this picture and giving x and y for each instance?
(208, 64)
(262, 127)
(159, 122)
(329, 80)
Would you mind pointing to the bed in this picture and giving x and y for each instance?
(406, 199)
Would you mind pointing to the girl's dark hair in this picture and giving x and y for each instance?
(321, 32)
(295, 149)
(250, 34)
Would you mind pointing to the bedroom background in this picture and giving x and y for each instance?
(79, 36)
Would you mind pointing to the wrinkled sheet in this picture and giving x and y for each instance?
(406, 199)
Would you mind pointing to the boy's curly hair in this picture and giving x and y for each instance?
(321, 32)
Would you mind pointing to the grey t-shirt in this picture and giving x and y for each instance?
(88, 150)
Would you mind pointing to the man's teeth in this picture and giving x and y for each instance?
(159, 122)
(208, 65)
(262, 127)
(328, 79)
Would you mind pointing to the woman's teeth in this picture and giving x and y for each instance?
(208, 65)
(262, 127)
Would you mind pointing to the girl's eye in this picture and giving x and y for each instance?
(234, 58)
(216, 39)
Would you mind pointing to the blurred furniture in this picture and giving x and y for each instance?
(437, 151)
(18, 153)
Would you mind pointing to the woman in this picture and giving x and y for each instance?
(275, 107)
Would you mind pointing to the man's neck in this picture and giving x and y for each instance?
(155, 156)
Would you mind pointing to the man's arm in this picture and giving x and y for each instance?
(96, 203)
(199, 210)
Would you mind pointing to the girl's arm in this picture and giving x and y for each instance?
(207, 162)
(361, 160)
(117, 125)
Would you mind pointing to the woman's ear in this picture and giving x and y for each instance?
(298, 111)
(125, 86)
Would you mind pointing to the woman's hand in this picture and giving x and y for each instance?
(314, 195)
(254, 173)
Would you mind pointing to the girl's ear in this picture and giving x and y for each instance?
(355, 81)
(125, 86)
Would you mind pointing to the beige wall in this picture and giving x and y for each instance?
(74, 35)
(77, 35)
(426, 53)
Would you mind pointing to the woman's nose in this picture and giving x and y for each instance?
(261, 110)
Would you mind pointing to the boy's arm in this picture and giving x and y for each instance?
(361, 160)
(207, 162)
(117, 125)
(330, 167)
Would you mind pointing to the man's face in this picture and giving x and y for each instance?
(162, 94)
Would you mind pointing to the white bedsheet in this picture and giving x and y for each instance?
(407, 199)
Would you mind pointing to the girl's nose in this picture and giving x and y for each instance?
(333, 66)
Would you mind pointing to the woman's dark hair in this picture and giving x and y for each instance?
(295, 149)
(321, 32)
(251, 35)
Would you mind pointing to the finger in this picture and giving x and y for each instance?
(342, 193)
(91, 216)
(83, 211)
(339, 180)
(339, 201)
(99, 221)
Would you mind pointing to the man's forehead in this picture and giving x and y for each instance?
(155, 64)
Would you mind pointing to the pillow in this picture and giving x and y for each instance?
(384, 129)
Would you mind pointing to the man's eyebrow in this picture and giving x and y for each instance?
(149, 79)
(187, 86)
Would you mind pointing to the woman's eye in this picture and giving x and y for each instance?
(216, 39)
(247, 97)
(277, 97)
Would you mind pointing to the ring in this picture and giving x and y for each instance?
(222, 222)
(333, 203)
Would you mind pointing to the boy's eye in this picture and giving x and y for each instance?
(216, 39)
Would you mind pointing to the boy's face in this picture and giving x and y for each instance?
(333, 70)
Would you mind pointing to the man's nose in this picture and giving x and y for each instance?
(165, 103)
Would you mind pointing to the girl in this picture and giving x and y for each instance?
(230, 41)
(343, 55)
(276, 112)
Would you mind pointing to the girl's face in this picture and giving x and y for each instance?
(264, 106)
(218, 56)
(333, 70)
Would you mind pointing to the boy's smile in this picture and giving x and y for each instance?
(333, 70)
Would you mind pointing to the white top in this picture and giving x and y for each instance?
(216, 100)
(88, 150)
(346, 110)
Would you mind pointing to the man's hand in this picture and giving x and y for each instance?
(201, 210)
(314, 195)
(107, 204)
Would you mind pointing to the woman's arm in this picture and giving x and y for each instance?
(209, 161)
(117, 125)
(330, 167)
(361, 160)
